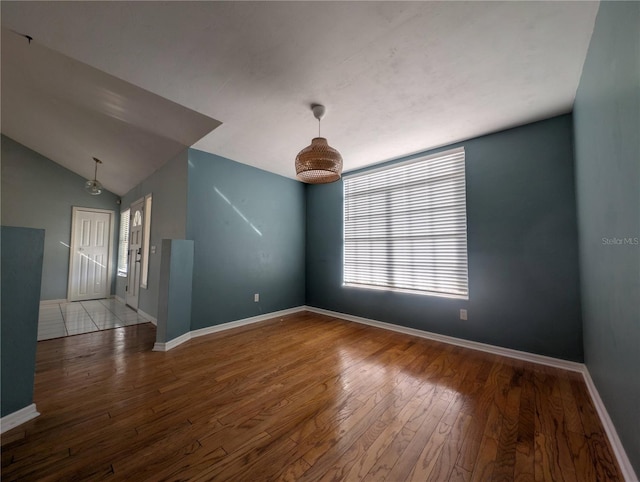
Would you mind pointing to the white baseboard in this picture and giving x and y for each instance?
(65, 300)
(18, 417)
(474, 345)
(246, 321)
(222, 327)
(148, 317)
(172, 343)
(621, 455)
(52, 302)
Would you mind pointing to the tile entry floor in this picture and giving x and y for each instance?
(73, 318)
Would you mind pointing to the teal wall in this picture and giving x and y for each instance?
(38, 193)
(607, 144)
(248, 227)
(176, 277)
(168, 185)
(522, 246)
(21, 261)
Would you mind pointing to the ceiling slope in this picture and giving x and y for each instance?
(71, 112)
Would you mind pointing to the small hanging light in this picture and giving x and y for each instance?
(318, 163)
(94, 187)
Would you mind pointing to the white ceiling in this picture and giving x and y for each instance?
(396, 77)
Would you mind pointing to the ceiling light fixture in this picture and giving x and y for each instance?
(94, 187)
(318, 163)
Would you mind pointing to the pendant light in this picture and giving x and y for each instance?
(318, 163)
(94, 187)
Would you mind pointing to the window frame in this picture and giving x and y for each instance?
(453, 285)
(146, 241)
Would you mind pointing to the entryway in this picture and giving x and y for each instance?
(65, 319)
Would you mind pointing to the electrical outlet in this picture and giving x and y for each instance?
(463, 314)
(256, 297)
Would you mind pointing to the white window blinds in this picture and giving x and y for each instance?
(405, 227)
(123, 243)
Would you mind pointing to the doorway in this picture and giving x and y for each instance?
(136, 224)
(91, 253)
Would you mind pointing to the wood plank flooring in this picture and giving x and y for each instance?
(301, 398)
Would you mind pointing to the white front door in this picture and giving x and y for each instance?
(136, 223)
(89, 273)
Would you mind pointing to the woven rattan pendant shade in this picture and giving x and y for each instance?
(318, 163)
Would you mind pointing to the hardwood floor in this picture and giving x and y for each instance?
(304, 397)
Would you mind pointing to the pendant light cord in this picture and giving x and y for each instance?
(95, 172)
(319, 128)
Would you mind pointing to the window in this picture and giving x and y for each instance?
(144, 276)
(123, 244)
(405, 227)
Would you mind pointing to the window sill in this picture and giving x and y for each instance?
(410, 292)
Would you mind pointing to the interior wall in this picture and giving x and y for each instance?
(176, 278)
(168, 185)
(21, 257)
(38, 193)
(248, 228)
(607, 141)
(522, 248)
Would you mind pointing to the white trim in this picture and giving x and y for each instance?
(18, 417)
(222, 327)
(65, 300)
(172, 343)
(246, 321)
(148, 317)
(146, 242)
(474, 345)
(52, 302)
(618, 449)
(401, 290)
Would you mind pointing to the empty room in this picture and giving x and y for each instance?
(304, 241)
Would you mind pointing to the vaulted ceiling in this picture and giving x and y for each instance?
(396, 77)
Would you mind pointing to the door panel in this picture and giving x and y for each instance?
(89, 264)
(135, 252)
